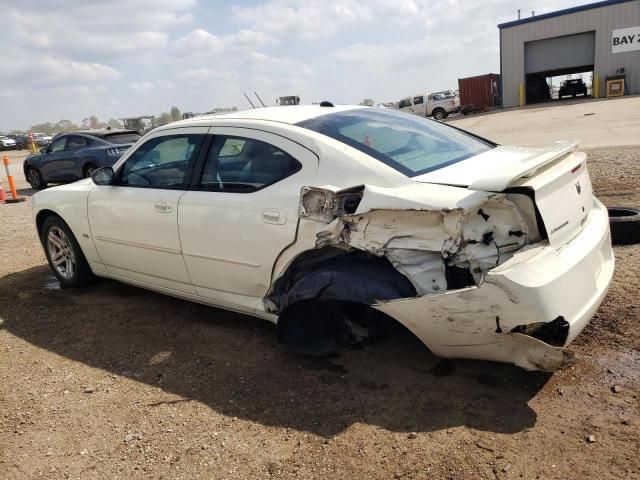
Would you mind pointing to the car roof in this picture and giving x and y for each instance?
(101, 132)
(290, 114)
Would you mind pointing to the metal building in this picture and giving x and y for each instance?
(602, 38)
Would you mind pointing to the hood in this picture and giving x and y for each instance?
(496, 169)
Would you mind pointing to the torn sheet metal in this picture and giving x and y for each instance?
(474, 323)
(419, 243)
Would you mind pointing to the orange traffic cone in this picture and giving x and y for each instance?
(3, 196)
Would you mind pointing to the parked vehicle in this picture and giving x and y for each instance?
(335, 222)
(7, 143)
(72, 156)
(437, 105)
(572, 88)
(289, 100)
(41, 139)
(22, 142)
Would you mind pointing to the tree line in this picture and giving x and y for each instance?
(92, 122)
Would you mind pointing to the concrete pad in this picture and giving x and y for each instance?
(601, 123)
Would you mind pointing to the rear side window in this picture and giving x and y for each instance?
(75, 143)
(418, 100)
(236, 164)
(410, 144)
(161, 162)
(121, 138)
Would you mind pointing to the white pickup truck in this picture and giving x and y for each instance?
(437, 105)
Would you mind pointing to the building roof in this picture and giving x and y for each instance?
(559, 13)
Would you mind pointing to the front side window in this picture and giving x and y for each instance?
(411, 145)
(161, 162)
(236, 164)
(58, 145)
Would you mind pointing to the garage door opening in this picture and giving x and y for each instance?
(560, 84)
(574, 85)
(549, 62)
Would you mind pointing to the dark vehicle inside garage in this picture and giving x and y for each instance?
(572, 88)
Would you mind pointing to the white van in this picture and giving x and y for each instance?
(427, 105)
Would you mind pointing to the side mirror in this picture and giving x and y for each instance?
(43, 150)
(103, 176)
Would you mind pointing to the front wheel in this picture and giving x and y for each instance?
(64, 255)
(34, 177)
(439, 114)
(89, 168)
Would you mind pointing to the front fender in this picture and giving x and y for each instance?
(69, 202)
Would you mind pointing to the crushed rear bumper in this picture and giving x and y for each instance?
(536, 286)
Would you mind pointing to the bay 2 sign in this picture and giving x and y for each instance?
(625, 40)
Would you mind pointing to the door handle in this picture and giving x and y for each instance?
(163, 207)
(277, 217)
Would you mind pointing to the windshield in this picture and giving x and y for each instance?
(410, 144)
(122, 138)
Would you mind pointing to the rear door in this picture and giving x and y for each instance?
(242, 212)
(134, 222)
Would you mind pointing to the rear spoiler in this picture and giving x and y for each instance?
(497, 181)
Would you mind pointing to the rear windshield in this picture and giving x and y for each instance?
(122, 138)
(410, 144)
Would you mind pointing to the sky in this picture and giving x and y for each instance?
(71, 59)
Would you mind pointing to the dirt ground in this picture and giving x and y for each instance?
(117, 382)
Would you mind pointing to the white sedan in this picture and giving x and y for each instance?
(338, 222)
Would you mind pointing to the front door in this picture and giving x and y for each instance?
(242, 212)
(54, 161)
(134, 223)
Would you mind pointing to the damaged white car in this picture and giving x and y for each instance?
(337, 222)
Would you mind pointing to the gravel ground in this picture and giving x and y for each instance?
(117, 382)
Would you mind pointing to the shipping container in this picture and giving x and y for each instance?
(481, 93)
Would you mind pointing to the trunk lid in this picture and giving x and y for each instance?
(557, 175)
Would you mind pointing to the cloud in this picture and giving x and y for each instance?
(147, 86)
(309, 19)
(201, 43)
(93, 29)
(51, 70)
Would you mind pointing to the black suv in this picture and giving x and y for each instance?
(573, 88)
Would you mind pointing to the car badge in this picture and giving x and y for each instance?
(578, 188)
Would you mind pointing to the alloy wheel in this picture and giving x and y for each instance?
(34, 178)
(61, 253)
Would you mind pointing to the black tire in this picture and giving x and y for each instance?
(78, 276)
(88, 169)
(35, 179)
(625, 225)
(324, 327)
(439, 114)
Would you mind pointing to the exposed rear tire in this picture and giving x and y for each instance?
(324, 327)
(64, 254)
(625, 225)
